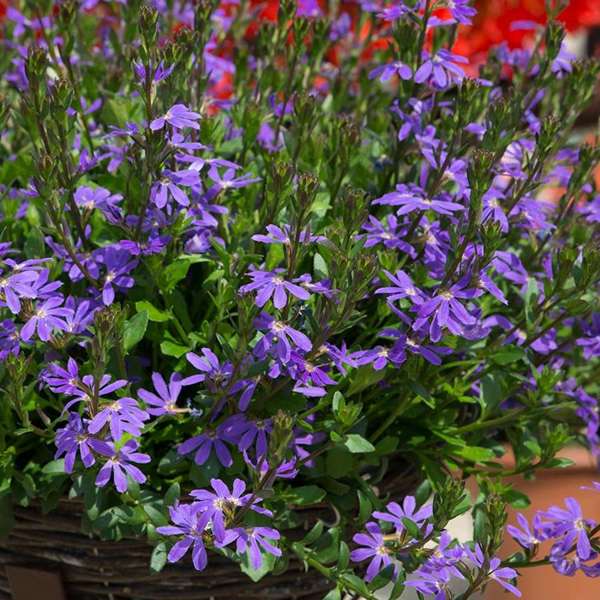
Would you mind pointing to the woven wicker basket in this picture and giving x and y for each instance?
(92, 569)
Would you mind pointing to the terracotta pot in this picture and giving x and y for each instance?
(550, 488)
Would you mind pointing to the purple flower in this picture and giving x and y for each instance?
(152, 245)
(389, 234)
(46, 318)
(396, 513)
(495, 571)
(433, 583)
(440, 71)
(190, 523)
(118, 465)
(403, 287)
(42, 288)
(169, 185)
(386, 72)
(157, 74)
(122, 415)
(525, 536)
(223, 501)
(485, 282)
(9, 339)
(379, 357)
(61, 380)
(271, 284)
(397, 10)
(227, 181)
(572, 526)
(178, 117)
(279, 339)
(310, 378)
(373, 548)
(308, 9)
(205, 443)
(166, 401)
(282, 235)
(100, 198)
(15, 285)
(82, 315)
(461, 12)
(404, 342)
(316, 287)
(492, 210)
(445, 557)
(209, 366)
(445, 311)
(413, 198)
(74, 438)
(563, 63)
(254, 432)
(256, 539)
(118, 264)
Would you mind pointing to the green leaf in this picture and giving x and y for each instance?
(386, 445)
(508, 354)
(320, 266)
(55, 467)
(411, 527)
(157, 517)
(559, 463)
(338, 403)
(339, 462)
(173, 494)
(314, 534)
(135, 328)
(365, 507)
(154, 314)
(173, 349)
(158, 559)
(357, 582)
(475, 454)
(490, 394)
(334, 594)
(267, 564)
(173, 274)
(357, 444)
(516, 498)
(177, 271)
(343, 556)
(305, 495)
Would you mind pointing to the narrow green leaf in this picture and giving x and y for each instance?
(158, 559)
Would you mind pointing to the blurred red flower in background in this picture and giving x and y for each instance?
(492, 25)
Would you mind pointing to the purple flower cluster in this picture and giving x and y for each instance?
(292, 277)
(448, 562)
(213, 519)
(571, 535)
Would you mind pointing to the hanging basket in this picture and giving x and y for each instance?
(87, 568)
(92, 569)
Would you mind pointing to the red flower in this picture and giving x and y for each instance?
(492, 25)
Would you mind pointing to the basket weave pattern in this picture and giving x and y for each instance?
(92, 569)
